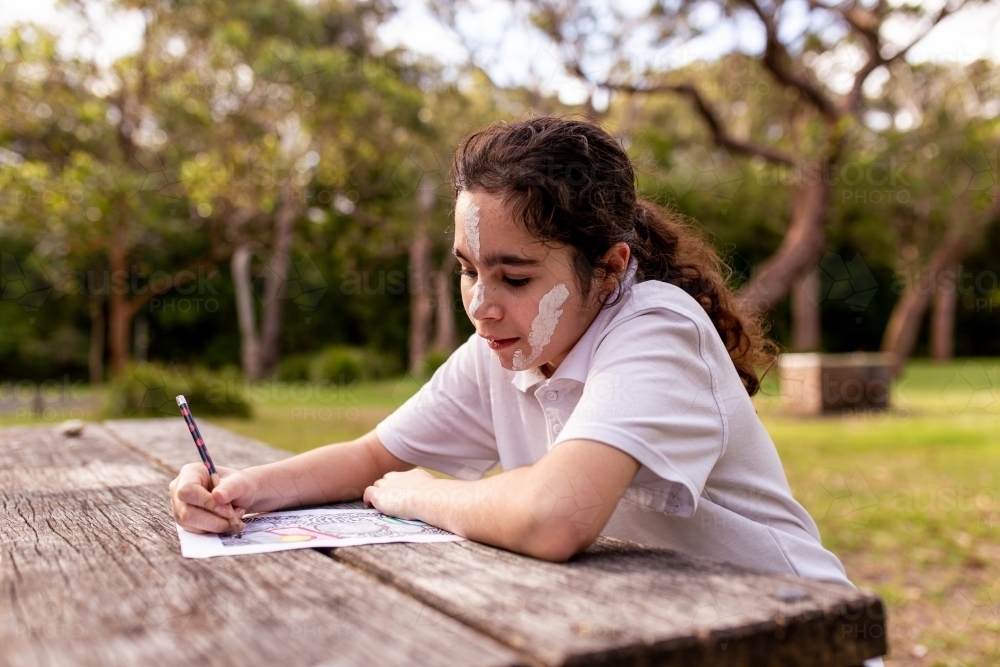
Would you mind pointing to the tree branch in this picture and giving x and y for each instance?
(875, 60)
(719, 133)
(775, 59)
(177, 279)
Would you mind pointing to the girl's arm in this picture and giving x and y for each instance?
(550, 510)
(324, 475)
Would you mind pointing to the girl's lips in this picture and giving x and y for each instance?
(500, 343)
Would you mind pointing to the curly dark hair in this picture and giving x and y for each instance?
(571, 182)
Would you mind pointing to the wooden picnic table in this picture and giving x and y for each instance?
(92, 574)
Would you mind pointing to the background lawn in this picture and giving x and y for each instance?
(908, 497)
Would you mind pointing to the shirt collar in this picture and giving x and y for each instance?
(525, 380)
(576, 365)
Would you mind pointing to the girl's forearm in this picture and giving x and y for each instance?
(328, 474)
(502, 511)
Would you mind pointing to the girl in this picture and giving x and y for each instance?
(610, 376)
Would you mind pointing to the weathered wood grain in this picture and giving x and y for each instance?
(617, 603)
(91, 574)
(622, 603)
(168, 443)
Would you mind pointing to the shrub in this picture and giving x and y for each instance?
(294, 368)
(341, 363)
(149, 390)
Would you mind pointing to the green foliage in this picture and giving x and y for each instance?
(340, 364)
(149, 390)
(294, 368)
(189, 151)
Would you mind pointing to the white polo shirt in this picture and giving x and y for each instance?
(652, 378)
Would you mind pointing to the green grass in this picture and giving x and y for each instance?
(909, 497)
(296, 418)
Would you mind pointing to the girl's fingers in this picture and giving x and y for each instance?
(192, 473)
(199, 496)
(236, 489)
(196, 509)
(196, 520)
(229, 490)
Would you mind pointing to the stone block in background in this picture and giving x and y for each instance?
(813, 384)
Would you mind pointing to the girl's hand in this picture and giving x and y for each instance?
(199, 511)
(396, 493)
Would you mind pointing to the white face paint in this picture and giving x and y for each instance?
(478, 296)
(543, 326)
(469, 213)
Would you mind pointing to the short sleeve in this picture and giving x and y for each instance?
(447, 425)
(651, 392)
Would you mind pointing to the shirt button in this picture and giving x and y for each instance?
(551, 395)
(556, 428)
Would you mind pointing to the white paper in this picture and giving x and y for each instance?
(306, 529)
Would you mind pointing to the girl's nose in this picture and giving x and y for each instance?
(480, 307)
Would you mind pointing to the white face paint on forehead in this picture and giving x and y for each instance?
(468, 214)
(543, 326)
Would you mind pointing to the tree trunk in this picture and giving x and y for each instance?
(245, 316)
(802, 244)
(277, 274)
(420, 262)
(904, 324)
(141, 340)
(943, 315)
(95, 359)
(120, 311)
(806, 325)
(444, 338)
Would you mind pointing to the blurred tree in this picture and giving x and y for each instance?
(299, 104)
(822, 57)
(955, 136)
(217, 137)
(85, 171)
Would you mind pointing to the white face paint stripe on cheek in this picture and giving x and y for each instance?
(543, 326)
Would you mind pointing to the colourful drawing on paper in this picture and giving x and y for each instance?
(296, 529)
(273, 528)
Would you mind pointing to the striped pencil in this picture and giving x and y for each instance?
(213, 474)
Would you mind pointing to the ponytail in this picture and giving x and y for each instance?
(666, 248)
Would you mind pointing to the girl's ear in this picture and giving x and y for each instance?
(616, 261)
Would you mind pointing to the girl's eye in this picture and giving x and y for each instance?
(516, 282)
(513, 282)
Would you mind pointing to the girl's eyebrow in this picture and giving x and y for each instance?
(492, 259)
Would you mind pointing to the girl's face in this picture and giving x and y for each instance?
(521, 293)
